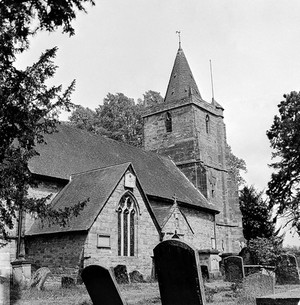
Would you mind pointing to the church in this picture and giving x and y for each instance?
(177, 186)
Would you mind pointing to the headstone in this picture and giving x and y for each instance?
(234, 269)
(247, 256)
(179, 273)
(101, 286)
(204, 271)
(287, 271)
(255, 285)
(121, 275)
(67, 282)
(136, 277)
(39, 278)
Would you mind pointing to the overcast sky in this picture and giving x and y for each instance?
(130, 46)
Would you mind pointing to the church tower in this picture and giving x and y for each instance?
(192, 133)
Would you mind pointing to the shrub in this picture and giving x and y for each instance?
(265, 251)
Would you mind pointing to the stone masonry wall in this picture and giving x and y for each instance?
(43, 189)
(197, 144)
(62, 253)
(146, 237)
(178, 144)
(195, 227)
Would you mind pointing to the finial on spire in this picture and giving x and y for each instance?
(178, 32)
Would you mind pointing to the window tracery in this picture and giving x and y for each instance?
(126, 225)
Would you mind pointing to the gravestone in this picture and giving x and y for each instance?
(121, 275)
(287, 270)
(255, 285)
(101, 286)
(246, 255)
(234, 269)
(136, 277)
(179, 273)
(67, 282)
(39, 278)
(205, 273)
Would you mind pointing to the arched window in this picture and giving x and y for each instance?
(168, 122)
(207, 123)
(126, 225)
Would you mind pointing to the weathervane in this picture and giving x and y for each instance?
(178, 32)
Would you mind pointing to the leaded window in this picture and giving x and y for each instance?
(126, 225)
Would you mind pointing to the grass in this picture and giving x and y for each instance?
(217, 293)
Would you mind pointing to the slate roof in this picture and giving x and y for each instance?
(181, 83)
(72, 150)
(96, 185)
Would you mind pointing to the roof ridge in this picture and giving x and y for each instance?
(101, 168)
(187, 179)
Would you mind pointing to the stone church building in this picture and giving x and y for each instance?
(177, 186)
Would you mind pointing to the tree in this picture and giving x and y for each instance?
(256, 214)
(265, 251)
(235, 166)
(28, 108)
(151, 98)
(284, 135)
(84, 118)
(119, 118)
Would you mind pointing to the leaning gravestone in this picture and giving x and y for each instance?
(39, 278)
(101, 286)
(121, 275)
(287, 271)
(179, 274)
(234, 269)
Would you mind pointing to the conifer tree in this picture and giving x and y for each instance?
(28, 107)
(284, 135)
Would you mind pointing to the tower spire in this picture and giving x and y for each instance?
(178, 32)
(181, 84)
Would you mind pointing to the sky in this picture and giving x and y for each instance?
(130, 47)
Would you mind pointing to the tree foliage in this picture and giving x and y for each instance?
(119, 118)
(84, 118)
(265, 250)
(235, 166)
(28, 107)
(284, 135)
(151, 98)
(256, 214)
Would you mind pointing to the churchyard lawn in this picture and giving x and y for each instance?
(134, 294)
(220, 293)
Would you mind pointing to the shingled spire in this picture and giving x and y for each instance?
(181, 83)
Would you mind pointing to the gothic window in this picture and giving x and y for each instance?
(168, 122)
(126, 225)
(207, 123)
